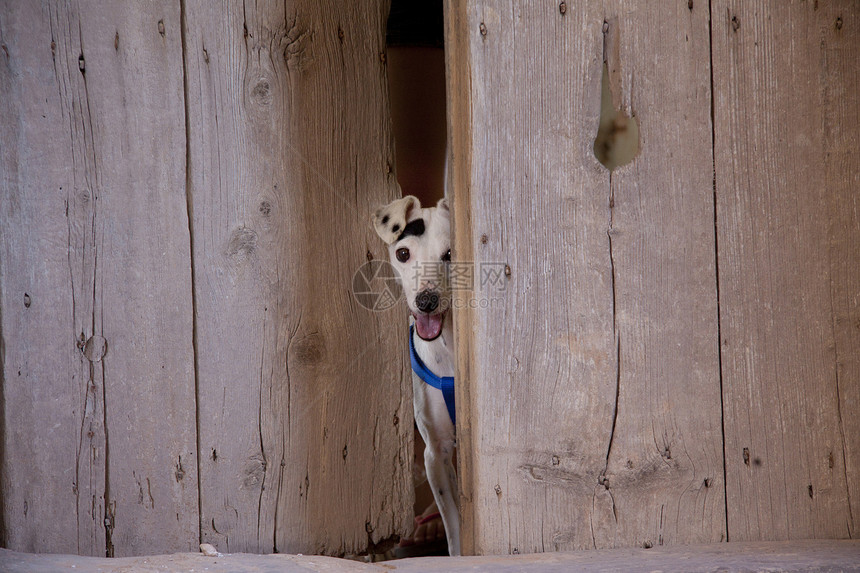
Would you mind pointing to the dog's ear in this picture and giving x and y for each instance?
(389, 221)
(443, 204)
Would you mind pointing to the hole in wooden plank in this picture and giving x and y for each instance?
(617, 141)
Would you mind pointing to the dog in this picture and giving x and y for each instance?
(419, 247)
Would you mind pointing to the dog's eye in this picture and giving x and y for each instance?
(402, 254)
(447, 256)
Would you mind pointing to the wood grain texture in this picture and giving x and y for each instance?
(665, 459)
(787, 128)
(458, 189)
(579, 376)
(45, 307)
(99, 426)
(304, 399)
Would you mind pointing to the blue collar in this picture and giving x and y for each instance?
(444, 383)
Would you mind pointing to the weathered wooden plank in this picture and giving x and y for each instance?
(539, 364)
(304, 398)
(786, 87)
(665, 458)
(53, 439)
(145, 276)
(96, 233)
(458, 83)
(578, 379)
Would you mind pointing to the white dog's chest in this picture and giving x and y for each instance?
(437, 355)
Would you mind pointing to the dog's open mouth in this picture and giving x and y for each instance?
(429, 326)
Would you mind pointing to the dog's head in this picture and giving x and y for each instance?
(419, 246)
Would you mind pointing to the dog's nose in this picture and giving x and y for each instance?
(427, 300)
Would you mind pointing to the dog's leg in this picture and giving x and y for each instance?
(443, 480)
(431, 417)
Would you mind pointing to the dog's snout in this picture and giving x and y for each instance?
(427, 300)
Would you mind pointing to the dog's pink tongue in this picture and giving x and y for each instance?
(428, 325)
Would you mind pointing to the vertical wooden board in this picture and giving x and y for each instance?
(537, 358)
(458, 22)
(135, 90)
(786, 90)
(52, 473)
(97, 191)
(539, 371)
(840, 76)
(664, 474)
(304, 396)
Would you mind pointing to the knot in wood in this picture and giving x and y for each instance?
(309, 349)
(262, 92)
(243, 241)
(179, 471)
(95, 348)
(255, 470)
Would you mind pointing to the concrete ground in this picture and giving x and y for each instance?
(823, 555)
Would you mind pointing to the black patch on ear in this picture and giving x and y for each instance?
(395, 228)
(415, 227)
(385, 220)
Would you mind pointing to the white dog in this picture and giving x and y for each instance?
(419, 246)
